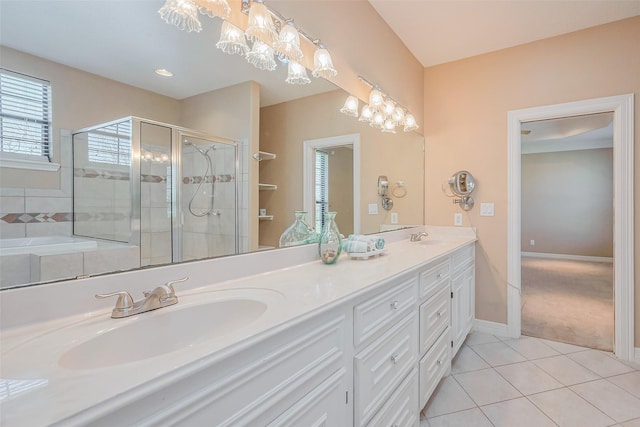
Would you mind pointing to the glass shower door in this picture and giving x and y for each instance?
(206, 199)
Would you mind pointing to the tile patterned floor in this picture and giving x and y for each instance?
(534, 382)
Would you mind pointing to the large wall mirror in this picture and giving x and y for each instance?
(147, 170)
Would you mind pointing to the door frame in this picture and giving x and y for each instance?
(308, 172)
(623, 240)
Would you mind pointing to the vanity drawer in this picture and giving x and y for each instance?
(377, 314)
(434, 318)
(382, 366)
(462, 257)
(431, 279)
(401, 410)
(433, 366)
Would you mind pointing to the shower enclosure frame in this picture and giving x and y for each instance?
(177, 232)
(135, 173)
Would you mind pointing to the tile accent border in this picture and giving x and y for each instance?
(36, 218)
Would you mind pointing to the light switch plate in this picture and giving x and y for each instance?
(486, 209)
(394, 217)
(373, 208)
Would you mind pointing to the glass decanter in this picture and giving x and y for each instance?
(330, 242)
(298, 233)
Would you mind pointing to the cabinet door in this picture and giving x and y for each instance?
(462, 306)
(324, 406)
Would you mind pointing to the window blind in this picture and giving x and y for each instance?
(110, 144)
(25, 114)
(321, 188)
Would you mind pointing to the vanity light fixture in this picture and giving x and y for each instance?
(382, 111)
(261, 56)
(350, 107)
(261, 26)
(232, 40)
(322, 64)
(162, 72)
(213, 8)
(181, 13)
(297, 74)
(288, 43)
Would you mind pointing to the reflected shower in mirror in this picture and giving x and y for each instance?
(98, 58)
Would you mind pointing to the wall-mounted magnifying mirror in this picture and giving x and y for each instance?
(383, 191)
(462, 184)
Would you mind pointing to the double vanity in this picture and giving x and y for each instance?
(263, 339)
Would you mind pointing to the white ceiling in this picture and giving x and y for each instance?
(439, 31)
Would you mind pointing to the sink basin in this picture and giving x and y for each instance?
(428, 241)
(162, 331)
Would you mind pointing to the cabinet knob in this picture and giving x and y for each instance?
(394, 359)
(439, 313)
(439, 361)
(395, 304)
(440, 275)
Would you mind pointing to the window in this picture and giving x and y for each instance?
(111, 144)
(322, 188)
(25, 115)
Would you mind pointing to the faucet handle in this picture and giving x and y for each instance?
(170, 284)
(124, 299)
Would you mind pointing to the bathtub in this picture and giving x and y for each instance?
(45, 245)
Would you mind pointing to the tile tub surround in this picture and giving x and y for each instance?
(306, 284)
(556, 385)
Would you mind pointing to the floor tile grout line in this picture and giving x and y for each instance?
(591, 404)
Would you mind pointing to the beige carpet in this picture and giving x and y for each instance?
(568, 301)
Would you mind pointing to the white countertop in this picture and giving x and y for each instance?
(36, 390)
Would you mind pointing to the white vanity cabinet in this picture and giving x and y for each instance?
(462, 295)
(300, 376)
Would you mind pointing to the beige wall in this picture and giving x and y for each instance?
(341, 187)
(567, 202)
(466, 105)
(284, 128)
(79, 100)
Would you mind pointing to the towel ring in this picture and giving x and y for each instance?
(399, 190)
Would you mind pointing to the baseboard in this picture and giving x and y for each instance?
(569, 257)
(493, 328)
(637, 354)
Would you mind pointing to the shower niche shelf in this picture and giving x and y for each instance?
(267, 187)
(263, 155)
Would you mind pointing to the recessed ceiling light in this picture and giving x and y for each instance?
(164, 73)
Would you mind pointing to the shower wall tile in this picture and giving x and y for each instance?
(16, 269)
(145, 245)
(12, 204)
(145, 220)
(49, 229)
(145, 194)
(160, 260)
(11, 192)
(159, 220)
(12, 231)
(117, 259)
(53, 267)
(160, 244)
(48, 204)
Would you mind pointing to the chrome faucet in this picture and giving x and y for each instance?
(162, 296)
(416, 237)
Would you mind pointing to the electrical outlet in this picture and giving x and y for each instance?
(373, 209)
(486, 209)
(532, 242)
(394, 217)
(457, 219)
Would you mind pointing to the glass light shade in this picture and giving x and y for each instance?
(398, 115)
(350, 107)
(375, 99)
(261, 25)
(366, 114)
(232, 40)
(410, 123)
(288, 43)
(322, 64)
(181, 13)
(377, 120)
(213, 8)
(297, 74)
(389, 126)
(261, 56)
(389, 107)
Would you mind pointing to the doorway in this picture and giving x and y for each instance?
(567, 230)
(622, 108)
